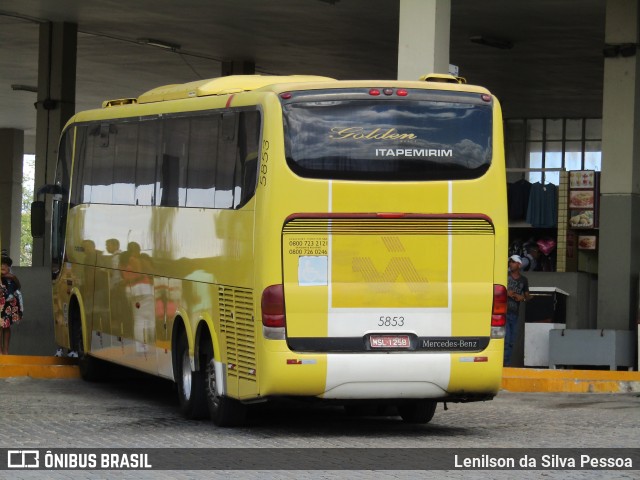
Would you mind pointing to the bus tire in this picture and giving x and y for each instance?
(417, 411)
(91, 369)
(224, 411)
(191, 389)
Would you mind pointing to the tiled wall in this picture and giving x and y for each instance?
(561, 247)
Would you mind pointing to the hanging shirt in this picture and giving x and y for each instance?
(542, 211)
(518, 199)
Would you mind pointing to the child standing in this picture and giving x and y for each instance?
(10, 304)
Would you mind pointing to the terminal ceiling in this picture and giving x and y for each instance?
(554, 68)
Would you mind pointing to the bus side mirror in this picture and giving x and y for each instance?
(37, 219)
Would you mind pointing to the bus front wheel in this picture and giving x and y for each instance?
(417, 411)
(224, 411)
(91, 369)
(193, 403)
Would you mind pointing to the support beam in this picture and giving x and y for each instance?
(423, 44)
(619, 243)
(56, 104)
(238, 67)
(11, 155)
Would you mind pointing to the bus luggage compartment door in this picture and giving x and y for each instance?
(367, 284)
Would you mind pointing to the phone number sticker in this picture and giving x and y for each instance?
(307, 246)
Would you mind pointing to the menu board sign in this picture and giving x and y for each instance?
(582, 179)
(587, 242)
(583, 199)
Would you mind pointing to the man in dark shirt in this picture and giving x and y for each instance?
(517, 291)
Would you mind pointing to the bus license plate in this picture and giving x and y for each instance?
(389, 341)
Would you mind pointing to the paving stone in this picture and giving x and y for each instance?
(142, 412)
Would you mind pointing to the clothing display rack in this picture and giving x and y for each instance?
(545, 220)
(526, 170)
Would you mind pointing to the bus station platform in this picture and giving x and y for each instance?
(569, 381)
(38, 366)
(513, 379)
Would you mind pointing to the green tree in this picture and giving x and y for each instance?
(26, 240)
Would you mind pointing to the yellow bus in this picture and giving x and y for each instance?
(255, 237)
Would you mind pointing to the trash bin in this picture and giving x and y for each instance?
(546, 311)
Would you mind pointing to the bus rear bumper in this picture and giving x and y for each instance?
(383, 375)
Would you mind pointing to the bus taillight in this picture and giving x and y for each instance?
(499, 311)
(273, 307)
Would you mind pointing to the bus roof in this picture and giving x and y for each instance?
(244, 83)
(223, 86)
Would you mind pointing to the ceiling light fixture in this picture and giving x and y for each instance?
(160, 44)
(24, 88)
(492, 42)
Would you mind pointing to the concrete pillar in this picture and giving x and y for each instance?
(11, 158)
(423, 44)
(56, 104)
(619, 242)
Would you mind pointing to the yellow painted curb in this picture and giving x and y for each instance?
(38, 367)
(569, 381)
(39, 371)
(513, 379)
(36, 360)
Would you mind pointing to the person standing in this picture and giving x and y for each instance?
(517, 291)
(11, 306)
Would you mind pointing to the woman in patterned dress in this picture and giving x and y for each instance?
(10, 304)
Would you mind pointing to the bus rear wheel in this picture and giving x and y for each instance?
(191, 391)
(224, 411)
(417, 411)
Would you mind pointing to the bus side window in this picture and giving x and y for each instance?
(104, 135)
(78, 193)
(201, 174)
(169, 176)
(172, 173)
(102, 165)
(247, 158)
(229, 126)
(124, 167)
(146, 162)
(225, 168)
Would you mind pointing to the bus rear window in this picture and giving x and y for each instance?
(388, 140)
